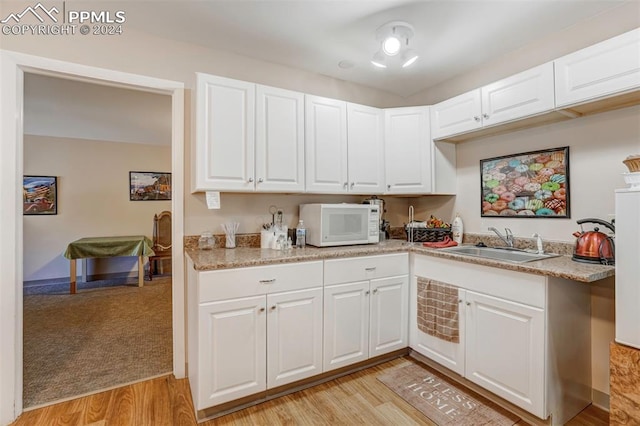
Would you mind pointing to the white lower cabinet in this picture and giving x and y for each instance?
(513, 332)
(250, 344)
(346, 324)
(364, 318)
(232, 349)
(252, 329)
(505, 349)
(294, 336)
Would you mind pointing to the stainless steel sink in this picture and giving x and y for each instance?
(504, 254)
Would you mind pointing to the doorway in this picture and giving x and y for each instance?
(13, 66)
(91, 137)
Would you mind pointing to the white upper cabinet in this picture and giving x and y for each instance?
(365, 137)
(460, 114)
(248, 137)
(408, 151)
(325, 145)
(223, 157)
(279, 162)
(601, 70)
(522, 95)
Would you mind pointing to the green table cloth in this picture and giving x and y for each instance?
(135, 245)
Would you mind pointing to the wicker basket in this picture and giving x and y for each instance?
(428, 235)
(633, 163)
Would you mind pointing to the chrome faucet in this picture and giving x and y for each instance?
(507, 238)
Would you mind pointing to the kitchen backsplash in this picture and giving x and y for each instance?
(397, 233)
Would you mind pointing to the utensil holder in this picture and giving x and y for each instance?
(230, 241)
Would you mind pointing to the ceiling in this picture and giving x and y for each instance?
(451, 36)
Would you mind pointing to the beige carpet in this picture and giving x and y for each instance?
(95, 339)
(442, 401)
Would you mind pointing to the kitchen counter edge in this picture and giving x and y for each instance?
(241, 257)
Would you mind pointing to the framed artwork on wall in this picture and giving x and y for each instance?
(39, 195)
(532, 184)
(149, 186)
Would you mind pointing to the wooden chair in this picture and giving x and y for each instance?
(161, 241)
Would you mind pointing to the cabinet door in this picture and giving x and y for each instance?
(365, 149)
(505, 350)
(606, 68)
(232, 350)
(346, 324)
(294, 330)
(223, 158)
(389, 316)
(279, 140)
(325, 145)
(460, 114)
(449, 354)
(521, 95)
(408, 151)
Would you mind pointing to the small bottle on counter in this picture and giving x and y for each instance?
(301, 235)
(457, 229)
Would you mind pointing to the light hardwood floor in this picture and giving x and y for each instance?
(351, 400)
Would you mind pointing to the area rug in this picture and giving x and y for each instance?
(443, 402)
(95, 339)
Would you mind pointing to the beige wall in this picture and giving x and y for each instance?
(93, 200)
(597, 146)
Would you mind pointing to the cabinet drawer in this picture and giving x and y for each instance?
(242, 282)
(338, 271)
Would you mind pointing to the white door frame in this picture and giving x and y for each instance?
(13, 65)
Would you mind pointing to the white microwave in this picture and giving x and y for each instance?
(340, 224)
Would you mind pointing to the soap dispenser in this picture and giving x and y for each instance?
(539, 243)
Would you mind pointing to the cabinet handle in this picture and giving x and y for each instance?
(375, 290)
(272, 280)
(366, 293)
(260, 180)
(370, 269)
(344, 185)
(476, 117)
(352, 184)
(250, 179)
(262, 309)
(388, 187)
(459, 300)
(273, 308)
(485, 116)
(468, 303)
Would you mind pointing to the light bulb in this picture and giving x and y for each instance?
(391, 45)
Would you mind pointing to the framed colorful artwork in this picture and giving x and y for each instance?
(39, 195)
(528, 185)
(149, 186)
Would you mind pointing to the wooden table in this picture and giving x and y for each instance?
(100, 247)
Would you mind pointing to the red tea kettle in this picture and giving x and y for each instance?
(594, 246)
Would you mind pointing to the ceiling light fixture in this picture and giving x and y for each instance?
(394, 39)
(409, 57)
(379, 60)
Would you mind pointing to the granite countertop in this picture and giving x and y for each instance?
(220, 258)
